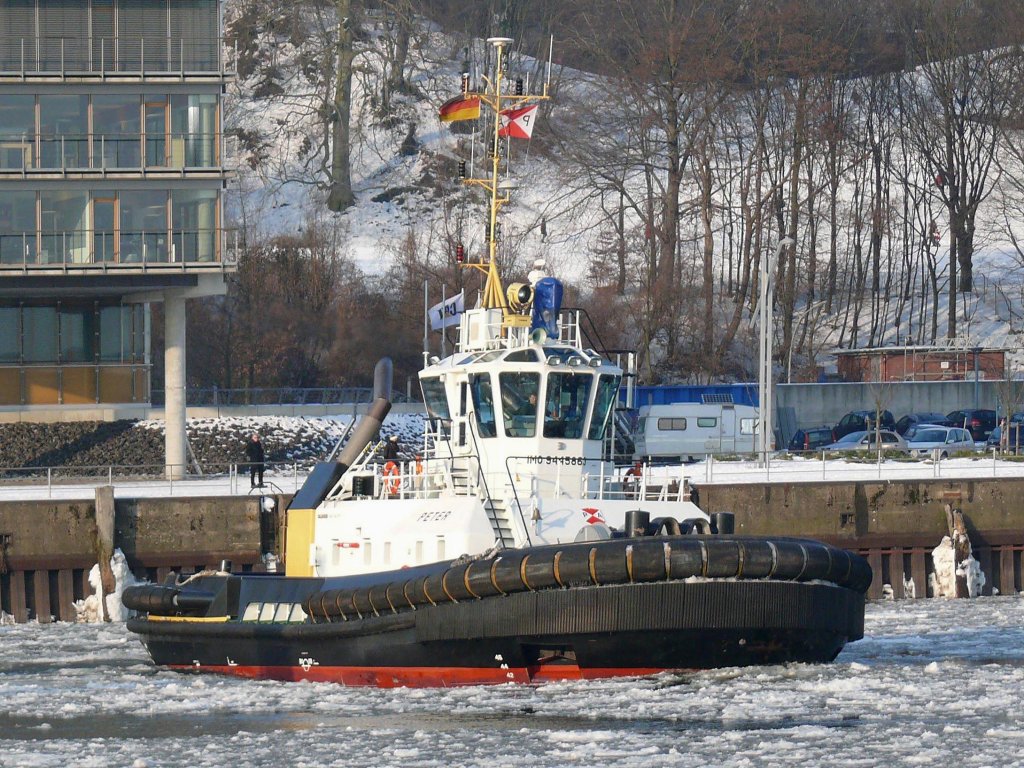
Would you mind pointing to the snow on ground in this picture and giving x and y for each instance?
(934, 682)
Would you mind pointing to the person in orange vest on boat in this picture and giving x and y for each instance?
(391, 470)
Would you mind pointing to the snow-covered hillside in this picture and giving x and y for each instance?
(410, 198)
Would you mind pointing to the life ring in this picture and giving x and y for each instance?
(392, 479)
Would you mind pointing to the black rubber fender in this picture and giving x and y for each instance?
(454, 583)
(647, 561)
(539, 572)
(758, 557)
(724, 560)
(819, 562)
(790, 560)
(478, 579)
(505, 575)
(687, 558)
(433, 588)
(610, 565)
(573, 569)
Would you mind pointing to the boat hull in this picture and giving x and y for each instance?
(585, 632)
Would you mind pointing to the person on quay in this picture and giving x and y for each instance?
(254, 453)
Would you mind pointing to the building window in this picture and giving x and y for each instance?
(10, 334)
(18, 228)
(117, 130)
(77, 333)
(65, 226)
(39, 326)
(144, 226)
(17, 131)
(63, 131)
(194, 220)
(193, 131)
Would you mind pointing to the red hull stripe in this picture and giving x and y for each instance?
(421, 677)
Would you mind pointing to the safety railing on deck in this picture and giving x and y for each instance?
(123, 151)
(113, 56)
(112, 249)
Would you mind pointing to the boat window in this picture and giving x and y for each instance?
(707, 421)
(435, 398)
(297, 613)
(252, 612)
(483, 404)
(671, 424)
(607, 389)
(267, 612)
(523, 356)
(566, 403)
(519, 392)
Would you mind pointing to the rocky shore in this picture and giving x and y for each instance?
(215, 443)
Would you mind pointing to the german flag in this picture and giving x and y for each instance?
(460, 108)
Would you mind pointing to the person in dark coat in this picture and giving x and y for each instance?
(254, 453)
(391, 449)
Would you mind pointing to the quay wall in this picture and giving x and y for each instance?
(48, 547)
(895, 524)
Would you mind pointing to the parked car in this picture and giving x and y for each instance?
(865, 441)
(945, 440)
(1016, 434)
(861, 421)
(810, 439)
(979, 422)
(923, 417)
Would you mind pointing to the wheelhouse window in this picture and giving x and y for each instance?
(483, 404)
(607, 389)
(565, 407)
(435, 398)
(519, 392)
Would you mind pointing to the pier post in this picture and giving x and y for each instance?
(105, 543)
(174, 385)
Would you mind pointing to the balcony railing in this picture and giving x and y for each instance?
(77, 249)
(114, 56)
(23, 152)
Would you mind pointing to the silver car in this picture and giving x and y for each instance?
(929, 438)
(865, 441)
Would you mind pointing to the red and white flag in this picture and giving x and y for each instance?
(518, 123)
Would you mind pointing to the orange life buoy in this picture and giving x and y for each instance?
(392, 481)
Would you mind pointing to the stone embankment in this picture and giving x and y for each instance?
(215, 443)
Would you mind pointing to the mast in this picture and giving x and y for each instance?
(494, 293)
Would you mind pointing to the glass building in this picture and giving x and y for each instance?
(111, 179)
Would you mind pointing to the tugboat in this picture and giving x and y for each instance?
(564, 567)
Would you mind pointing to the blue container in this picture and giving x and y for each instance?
(547, 303)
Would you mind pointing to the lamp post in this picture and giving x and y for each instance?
(765, 390)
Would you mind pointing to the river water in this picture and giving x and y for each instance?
(934, 682)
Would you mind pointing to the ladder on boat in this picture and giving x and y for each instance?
(497, 510)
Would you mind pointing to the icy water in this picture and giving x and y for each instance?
(934, 682)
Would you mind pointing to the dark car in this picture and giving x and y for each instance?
(979, 422)
(1015, 436)
(921, 417)
(810, 439)
(861, 421)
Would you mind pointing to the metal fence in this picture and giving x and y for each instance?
(218, 397)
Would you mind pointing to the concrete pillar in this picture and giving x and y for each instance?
(174, 385)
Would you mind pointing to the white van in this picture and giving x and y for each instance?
(690, 431)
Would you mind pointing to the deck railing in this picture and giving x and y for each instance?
(115, 56)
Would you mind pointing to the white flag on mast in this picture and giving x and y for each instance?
(447, 312)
